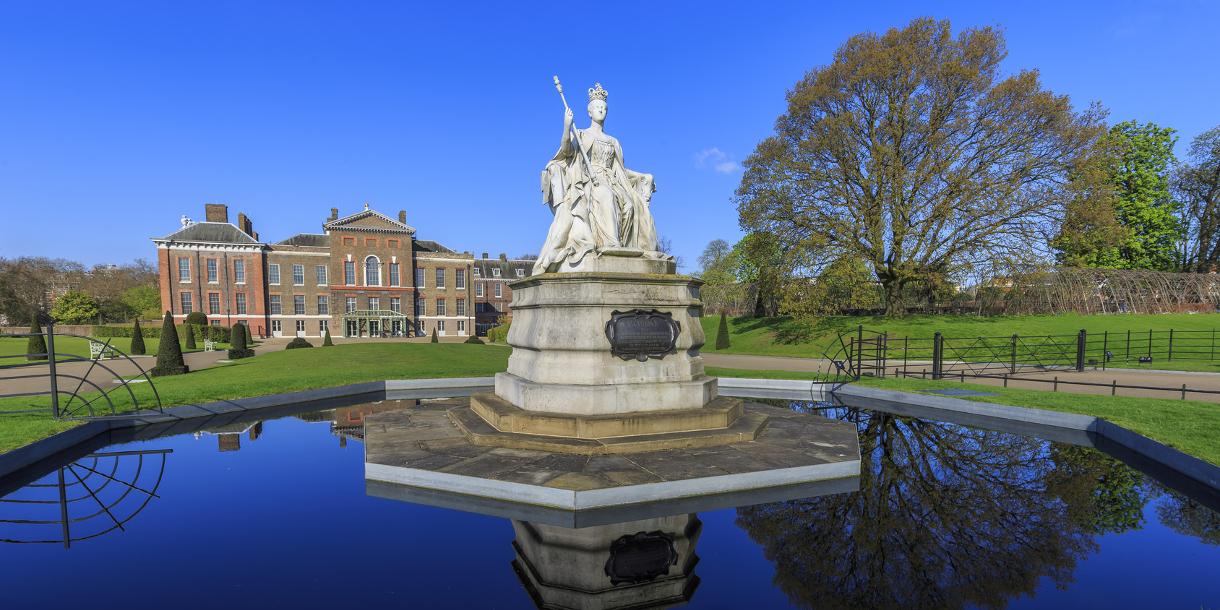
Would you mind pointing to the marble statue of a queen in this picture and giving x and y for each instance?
(598, 203)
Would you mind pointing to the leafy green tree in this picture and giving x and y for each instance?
(1144, 204)
(758, 261)
(1198, 186)
(75, 308)
(1090, 234)
(913, 152)
(326, 342)
(144, 300)
(722, 333)
(137, 340)
(169, 353)
(37, 343)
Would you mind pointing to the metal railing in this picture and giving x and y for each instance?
(86, 398)
(1056, 381)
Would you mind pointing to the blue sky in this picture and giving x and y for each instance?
(117, 118)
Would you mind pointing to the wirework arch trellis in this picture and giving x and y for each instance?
(1098, 291)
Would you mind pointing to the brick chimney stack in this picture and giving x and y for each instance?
(215, 212)
(503, 257)
(402, 216)
(334, 214)
(247, 227)
(484, 256)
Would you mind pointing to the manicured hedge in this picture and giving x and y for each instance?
(215, 333)
(499, 334)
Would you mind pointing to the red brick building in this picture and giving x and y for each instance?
(357, 278)
(492, 295)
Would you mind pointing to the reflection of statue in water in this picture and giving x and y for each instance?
(648, 563)
(598, 203)
(946, 517)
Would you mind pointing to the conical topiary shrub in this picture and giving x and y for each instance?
(326, 342)
(36, 346)
(169, 353)
(435, 339)
(722, 333)
(189, 331)
(245, 329)
(237, 343)
(137, 340)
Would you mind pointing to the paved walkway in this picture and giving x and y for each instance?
(1173, 380)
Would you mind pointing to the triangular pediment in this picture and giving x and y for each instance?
(368, 220)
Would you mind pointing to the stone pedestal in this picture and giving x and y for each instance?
(563, 360)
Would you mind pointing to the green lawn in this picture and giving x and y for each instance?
(784, 336)
(281, 371)
(1190, 426)
(16, 346)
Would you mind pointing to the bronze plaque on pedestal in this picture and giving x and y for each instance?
(640, 335)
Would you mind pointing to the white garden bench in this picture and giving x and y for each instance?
(209, 345)
(98, 350)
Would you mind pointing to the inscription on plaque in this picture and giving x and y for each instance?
(640, 335)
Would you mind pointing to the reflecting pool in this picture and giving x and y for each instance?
(276, 513)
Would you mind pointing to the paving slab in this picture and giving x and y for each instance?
(799, 449)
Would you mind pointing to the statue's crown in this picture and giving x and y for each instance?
(597, 93)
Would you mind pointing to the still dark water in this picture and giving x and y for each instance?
(275, 515)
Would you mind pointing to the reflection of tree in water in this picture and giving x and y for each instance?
(946, 516)
(1189, 517)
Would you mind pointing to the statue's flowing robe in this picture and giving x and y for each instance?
(607, 213)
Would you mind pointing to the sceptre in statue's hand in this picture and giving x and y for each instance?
(567, 119)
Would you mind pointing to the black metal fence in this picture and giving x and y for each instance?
(1006, 358)
(72, 393)
(1014, 353)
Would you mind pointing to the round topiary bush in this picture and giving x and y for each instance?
(298, 343)
(197, 318)
(237, 343)
(475, 340)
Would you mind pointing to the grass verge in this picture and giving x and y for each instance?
(274, 373)
(1190, 426)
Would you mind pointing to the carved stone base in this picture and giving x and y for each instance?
(563, 360)
(623, 398)
(506, 417)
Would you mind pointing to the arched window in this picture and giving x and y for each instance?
(372, 271)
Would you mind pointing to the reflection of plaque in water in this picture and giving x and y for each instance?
(613, 566)
(640, 335)
(640, 557)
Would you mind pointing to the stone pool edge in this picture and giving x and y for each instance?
(1052, 424)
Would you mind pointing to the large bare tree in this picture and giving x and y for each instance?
(912, 152)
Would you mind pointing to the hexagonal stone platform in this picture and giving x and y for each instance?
(425, 452)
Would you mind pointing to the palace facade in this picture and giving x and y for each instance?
(365, 275)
